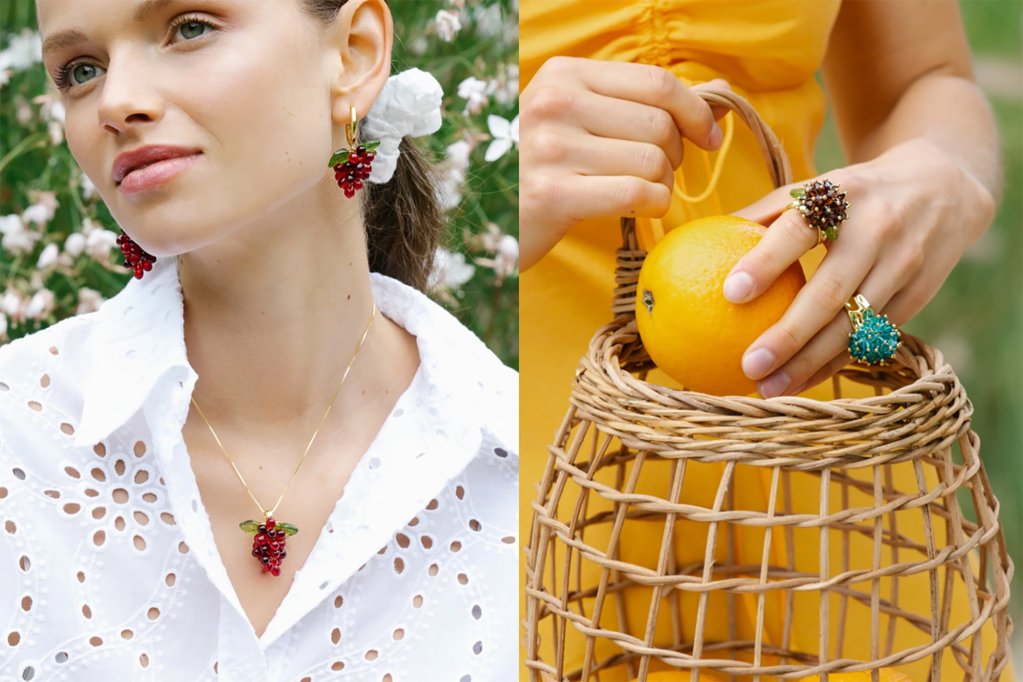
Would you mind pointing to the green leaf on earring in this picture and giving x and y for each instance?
(796, 193)
(340, 156)
(287, 527)
(371, 146)
(251, 527)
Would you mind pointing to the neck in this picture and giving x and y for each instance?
(273, 314)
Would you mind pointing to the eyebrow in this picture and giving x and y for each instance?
(74, 36)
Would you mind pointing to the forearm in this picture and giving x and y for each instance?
(950, 112)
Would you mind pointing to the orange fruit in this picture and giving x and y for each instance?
(887, 675)
(681, 675)
(693, 333)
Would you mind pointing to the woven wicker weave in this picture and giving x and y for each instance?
(615, 481)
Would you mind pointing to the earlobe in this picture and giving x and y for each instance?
(365, 54)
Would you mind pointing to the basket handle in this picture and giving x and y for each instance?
(630, 256)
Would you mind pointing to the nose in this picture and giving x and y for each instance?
(129, 98)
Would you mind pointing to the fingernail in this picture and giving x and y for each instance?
(716, 136)
(758, 363)
(738, 286)
(775, 385)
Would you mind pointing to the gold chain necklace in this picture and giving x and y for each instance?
(269, 544)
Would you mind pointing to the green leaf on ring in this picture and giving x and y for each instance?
(251, 527)
(832, 233)
(287, 528)
(796, 193)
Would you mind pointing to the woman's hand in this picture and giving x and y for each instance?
(603, 139)
(912, 212)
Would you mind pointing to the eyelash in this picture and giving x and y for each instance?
(63, 78)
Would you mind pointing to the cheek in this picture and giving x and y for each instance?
(270, 114)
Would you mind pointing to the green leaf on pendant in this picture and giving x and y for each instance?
(287, 528)
(251, 527)
(340, 156)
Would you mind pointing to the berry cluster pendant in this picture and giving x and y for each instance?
(268, 546)
(351, 167)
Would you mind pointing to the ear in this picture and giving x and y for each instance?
(363, 39)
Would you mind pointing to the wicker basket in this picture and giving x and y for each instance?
(604, 604)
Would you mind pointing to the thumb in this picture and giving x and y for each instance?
(718, 112)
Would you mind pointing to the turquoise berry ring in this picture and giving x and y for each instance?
(873, 340)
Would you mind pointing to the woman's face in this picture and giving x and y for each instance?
(246, 84)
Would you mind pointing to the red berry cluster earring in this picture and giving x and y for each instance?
(353, 165)
(134, 256)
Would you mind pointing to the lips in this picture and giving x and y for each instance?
(144, 156)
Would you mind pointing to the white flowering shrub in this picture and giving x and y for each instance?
(58, 255)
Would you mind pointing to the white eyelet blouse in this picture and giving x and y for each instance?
(108, 567)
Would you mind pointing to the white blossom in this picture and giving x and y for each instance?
(5, 78)
(488, 20)
(3, 324)
(89, 300)
(505, 135)
(40, 306)
(98, 244)
(88, 189)
(450, 269)
(449, 189)
(12, 305)
(448, 24)
(36, 213)
(476, 93)
(24, 50)
(74, 244)
(17, 239)
(48, 257)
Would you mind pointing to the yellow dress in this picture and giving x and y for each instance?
(768, 51)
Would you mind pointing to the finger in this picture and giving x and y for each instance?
(582, 196)
(767, 209)
(833, 339)
(620, 119)
(785, 241)
(816, 304)
(654, 86)
(604, 156)
(718, 111)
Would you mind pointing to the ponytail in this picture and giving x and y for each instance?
(402, 216)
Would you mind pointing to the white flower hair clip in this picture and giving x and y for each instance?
(408, 105)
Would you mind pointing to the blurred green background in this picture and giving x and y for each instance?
(470, 46)
(976, 319)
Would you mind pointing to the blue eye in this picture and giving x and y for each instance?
(66, 75)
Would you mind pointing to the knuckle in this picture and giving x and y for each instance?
(653, 163)
(628, 193)
(796, 228)
(788, 339)
(661, 127)
(660, 200)
(661, 81)
(545, 190)
(547, 103)
(829, 293)
(548, 146)
(887, 219)
(556, 66)
(914, 257)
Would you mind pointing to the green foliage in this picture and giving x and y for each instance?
(36, 167)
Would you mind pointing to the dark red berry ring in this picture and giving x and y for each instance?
(268, 545)
(135, 257)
